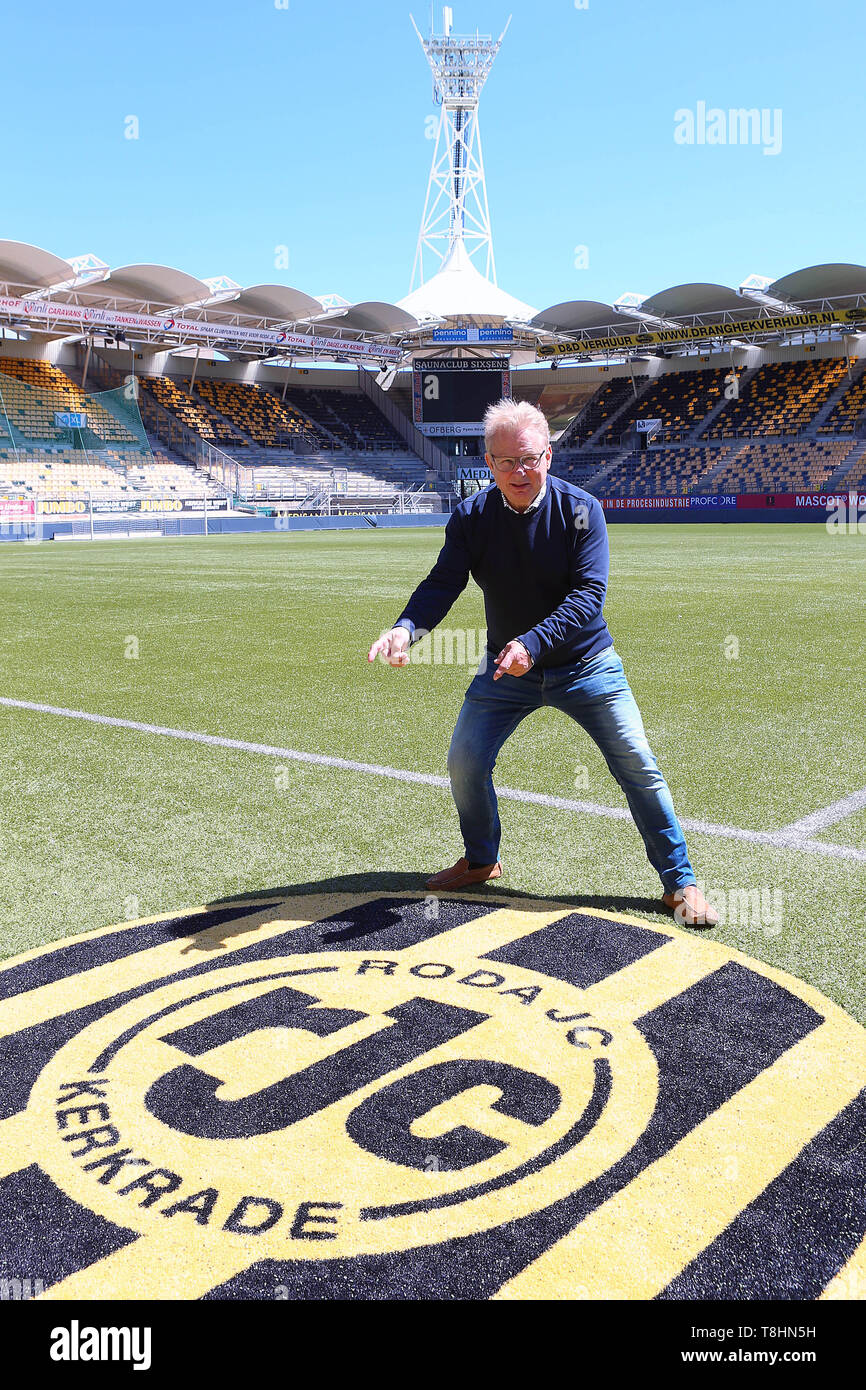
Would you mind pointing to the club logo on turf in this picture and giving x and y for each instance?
(343, 1103)
(589, 1103)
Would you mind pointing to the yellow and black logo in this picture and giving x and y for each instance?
(394, 1096)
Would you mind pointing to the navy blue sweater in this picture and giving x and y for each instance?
(543, 573)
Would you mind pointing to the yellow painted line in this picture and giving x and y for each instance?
(167, 1265)
(620, 998)
(639, 988)
(643, 1237)
(850, 1283)
(476, 938)
(103, 981)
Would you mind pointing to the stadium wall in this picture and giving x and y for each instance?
(734, 515)
(237, 525)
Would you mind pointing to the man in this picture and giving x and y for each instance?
(537, 547)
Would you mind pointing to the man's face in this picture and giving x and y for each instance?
(520, 486)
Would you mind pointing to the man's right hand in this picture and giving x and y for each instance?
(392, 647)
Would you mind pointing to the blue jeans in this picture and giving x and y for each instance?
(596, 694)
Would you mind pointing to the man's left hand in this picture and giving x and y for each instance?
(513, 660)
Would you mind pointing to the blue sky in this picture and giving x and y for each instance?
(304, 127)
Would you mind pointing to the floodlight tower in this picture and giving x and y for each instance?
(455, 208)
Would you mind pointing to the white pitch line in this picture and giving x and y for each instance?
(829, 815)
(780, 839)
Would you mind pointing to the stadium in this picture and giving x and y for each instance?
(213, 498)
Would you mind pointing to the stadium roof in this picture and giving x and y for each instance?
(824, 282)
(459, 290)
(152, 284)
(278, 302)
(166, 287)
(255, 320)
(683, 301)
(590, 318)
(373, 316)
(827, 285)
(21, 264)
(581, 316)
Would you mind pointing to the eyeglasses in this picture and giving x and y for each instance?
(529, 461)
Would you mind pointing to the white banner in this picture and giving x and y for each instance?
(40, 309)
(458, 427)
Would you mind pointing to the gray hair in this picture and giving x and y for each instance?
(508, 414)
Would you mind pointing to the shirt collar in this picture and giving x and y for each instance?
(533, 504)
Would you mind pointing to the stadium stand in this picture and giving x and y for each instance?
(581, 466)
(662, 472)
(258, 414)
(854, 475)
(304, 484)
(608, 400)
(401, 396)
(798, 425)
(849, 411)
(781, 399)
(32, 391)
(164, 476)
(681, 400)
(397, 471)
(255, 426)
(42, 474)
(110, 457)
(348, 417)
(789, 466)
(190, 412)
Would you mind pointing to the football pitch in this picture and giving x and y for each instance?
(743, 646)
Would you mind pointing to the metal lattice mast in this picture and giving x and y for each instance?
(455, 208)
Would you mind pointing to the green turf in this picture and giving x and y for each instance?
(264, 638)
(850, 831)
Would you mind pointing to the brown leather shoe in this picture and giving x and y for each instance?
(460, 874)
(690, 907)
